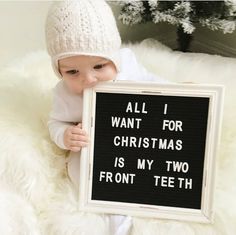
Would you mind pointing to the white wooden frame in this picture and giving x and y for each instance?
(205, 214)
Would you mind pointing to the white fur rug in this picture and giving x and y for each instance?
(36, 197)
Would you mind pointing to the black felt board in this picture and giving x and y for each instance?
(191, 111)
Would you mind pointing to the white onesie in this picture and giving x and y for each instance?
(67, 110)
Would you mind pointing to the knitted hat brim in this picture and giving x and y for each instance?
(114, 57)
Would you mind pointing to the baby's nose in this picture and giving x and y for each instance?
(89, 79)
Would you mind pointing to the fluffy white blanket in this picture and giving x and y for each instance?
(36, 197)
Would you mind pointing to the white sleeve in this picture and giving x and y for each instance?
(55, 123)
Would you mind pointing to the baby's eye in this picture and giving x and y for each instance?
(99, 66)
(73, 71)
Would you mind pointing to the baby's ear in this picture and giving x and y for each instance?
(59, 71)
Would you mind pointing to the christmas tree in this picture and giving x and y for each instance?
(215, 15)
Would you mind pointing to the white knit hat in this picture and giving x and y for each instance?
(81, 27)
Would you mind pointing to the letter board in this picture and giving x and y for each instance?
(152, 149)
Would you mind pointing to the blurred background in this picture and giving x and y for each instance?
(22, 31)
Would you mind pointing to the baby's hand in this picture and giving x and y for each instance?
(75, 138)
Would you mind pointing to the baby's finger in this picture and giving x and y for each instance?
(75, 148)
(78, 130)
(77, 143)
(83, 138)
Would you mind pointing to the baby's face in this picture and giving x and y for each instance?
(82, 71)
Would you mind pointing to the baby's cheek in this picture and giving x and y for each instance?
(110, 73)
(107, 77)
(69, 83)
(73, 85)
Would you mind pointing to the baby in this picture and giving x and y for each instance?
(85, 48)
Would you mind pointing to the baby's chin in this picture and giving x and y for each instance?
(74, 90)
(77, 91)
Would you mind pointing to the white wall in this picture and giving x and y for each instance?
(22, 31)
(21, 28)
